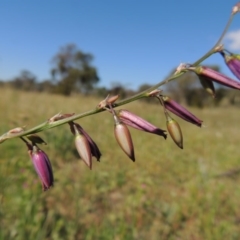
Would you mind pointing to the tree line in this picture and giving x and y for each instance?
(73, 73)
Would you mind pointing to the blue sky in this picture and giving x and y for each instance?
(133, 41)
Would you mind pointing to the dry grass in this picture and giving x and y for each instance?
(168, 193)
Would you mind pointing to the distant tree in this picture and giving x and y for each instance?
(144, 87)
(122, 91)
(25, 81)
(73, 72)
(101, 92)
(118, 90)
(46, 86)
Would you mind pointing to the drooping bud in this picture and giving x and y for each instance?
(83, 147)
(139, 123)
(175, 131)
(34, 138)
(233, 62)
(180, 111)
(42, 166)
(211, 75)
(208, 86)
(93, 146)
(123, 137)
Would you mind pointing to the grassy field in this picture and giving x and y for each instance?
(168, 193)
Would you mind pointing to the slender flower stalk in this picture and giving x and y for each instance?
(139, 123)
(180, 111)
(233, 62)
(42, 165)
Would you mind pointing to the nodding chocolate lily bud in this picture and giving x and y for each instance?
(34, 138)
(82, 146)
(208, 86)
(93, 146)
(123, 138)
(180, 111)
(175, 131)
(42, 166)
(211, 75)
(233, 62)
(139, 123)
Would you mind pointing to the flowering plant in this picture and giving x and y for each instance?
(122, 118)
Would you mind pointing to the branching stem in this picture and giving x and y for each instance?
(48, 124)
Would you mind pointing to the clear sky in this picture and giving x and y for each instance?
(133, 41)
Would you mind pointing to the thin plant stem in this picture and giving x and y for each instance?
(48, 125)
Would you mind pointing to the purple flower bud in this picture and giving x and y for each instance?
(233, 62)
(212, 75)
(93, 146)
(139, 123)
(124, 139)
(42, 166)
(180, 111)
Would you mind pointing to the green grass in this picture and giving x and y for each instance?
(168, 193)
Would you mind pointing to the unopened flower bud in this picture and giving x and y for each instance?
(139, 123)
(42, 166)
(93, 146)
(180, 111)
(175, 131)
(34, 138)
(124, 139)
(233, 62)
(208, 86)
(83, 148)
(211, 75)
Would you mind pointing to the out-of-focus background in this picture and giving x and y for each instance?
(66, 57)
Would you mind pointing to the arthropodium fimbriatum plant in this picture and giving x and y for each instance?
(123, 118)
